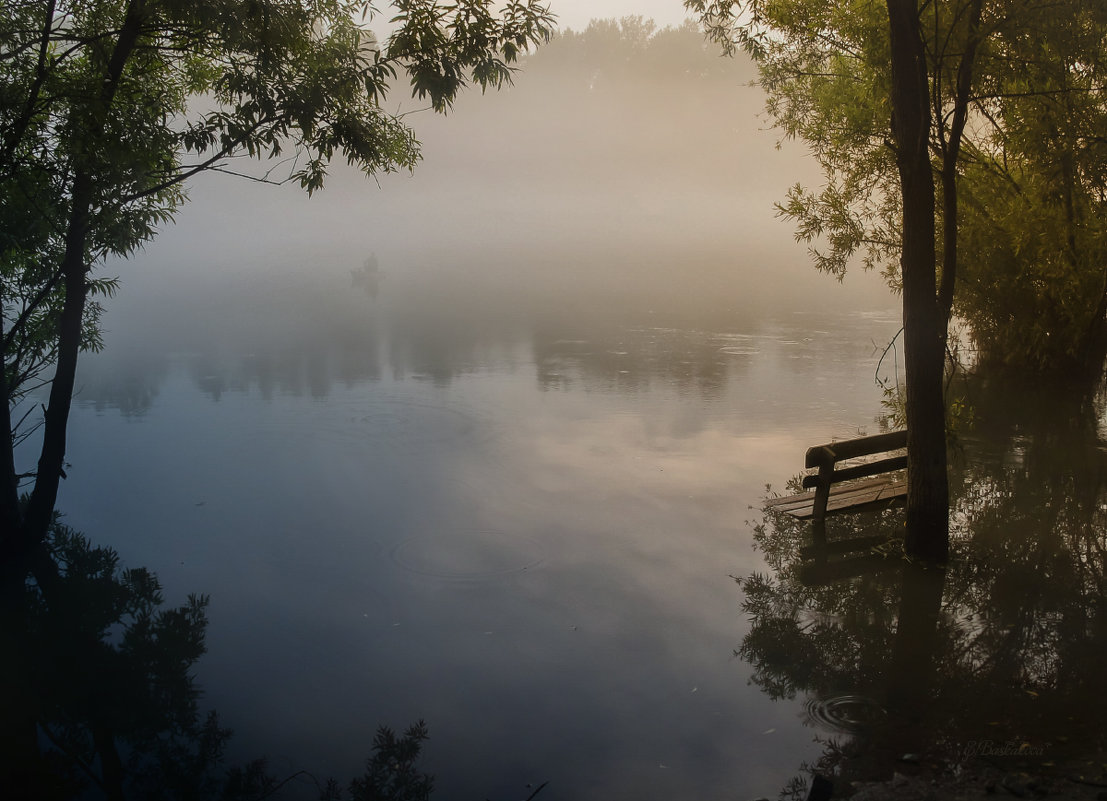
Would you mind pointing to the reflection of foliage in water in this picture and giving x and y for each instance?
(806, 637)
(105, 700)
(1032, 566)
(1014, 640)
(391, 772)
(105, 673)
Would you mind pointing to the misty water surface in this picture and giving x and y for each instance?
(519, 528)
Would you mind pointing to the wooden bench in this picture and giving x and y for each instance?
(837, 489)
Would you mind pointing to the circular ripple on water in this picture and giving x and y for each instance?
(468, 554)
(849, 713)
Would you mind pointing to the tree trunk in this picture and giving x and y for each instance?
(18, 545)
(951, 153)
(40, 508)
(923, 323)
(9, 484)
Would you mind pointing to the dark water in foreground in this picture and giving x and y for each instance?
(516, 510)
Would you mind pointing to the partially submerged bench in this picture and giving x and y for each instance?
(838, 489)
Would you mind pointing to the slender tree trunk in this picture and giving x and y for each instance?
(40, 508)
(923, 323)
(949, 240)
(17, 549)
(950, 156)
(18, 128)
(9, 484)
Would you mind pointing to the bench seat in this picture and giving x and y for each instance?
(848, 478)
(855, 496)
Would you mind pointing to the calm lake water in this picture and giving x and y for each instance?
(503, 493)
(508, 489)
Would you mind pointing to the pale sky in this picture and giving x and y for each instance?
(575, 14)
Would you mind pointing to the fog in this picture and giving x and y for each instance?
(625, 181)
(617, 170)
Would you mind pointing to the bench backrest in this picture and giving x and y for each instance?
(826, 458)
(852, 448)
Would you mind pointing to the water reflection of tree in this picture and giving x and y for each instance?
(99, 692)
(1006, 645)
(101, 701)
(130, 385)
(301, 340)
(636, 359)
(1034, 512)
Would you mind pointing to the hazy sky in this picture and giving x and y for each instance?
(575, 14)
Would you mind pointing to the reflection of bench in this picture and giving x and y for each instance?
(837, 488)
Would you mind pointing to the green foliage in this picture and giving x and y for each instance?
(1033, 291)
(1034, 236)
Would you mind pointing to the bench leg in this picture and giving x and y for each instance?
(818, 510)
(822, 491)
(818, 538)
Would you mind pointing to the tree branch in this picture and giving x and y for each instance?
(28, 309)
(19, 127)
